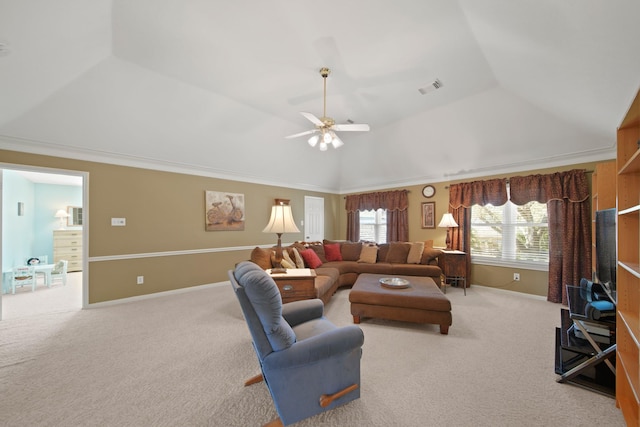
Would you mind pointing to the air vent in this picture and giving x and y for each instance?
(4, 49)
(436, 84)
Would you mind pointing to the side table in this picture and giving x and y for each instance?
(295, 284)
(454, 268)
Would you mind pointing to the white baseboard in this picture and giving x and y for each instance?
(158, 294)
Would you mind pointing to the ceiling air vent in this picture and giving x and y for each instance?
(4, 49)
(436, 84)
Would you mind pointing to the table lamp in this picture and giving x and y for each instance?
(62, 215)
(448, 221)
(281, 221)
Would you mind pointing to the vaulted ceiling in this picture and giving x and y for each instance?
(213, 87)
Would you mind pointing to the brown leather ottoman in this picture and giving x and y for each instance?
(421, 302)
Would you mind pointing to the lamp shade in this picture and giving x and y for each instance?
(447, 221)
(61, 214)
(281, 220)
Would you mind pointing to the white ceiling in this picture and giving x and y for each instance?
(212, 87)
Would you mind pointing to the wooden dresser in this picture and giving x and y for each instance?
(67, 244)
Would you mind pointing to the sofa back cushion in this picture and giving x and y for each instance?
(350, 251)
(383, 250)
(398, 252)
(429, 256)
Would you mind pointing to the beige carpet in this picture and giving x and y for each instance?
(180, 360)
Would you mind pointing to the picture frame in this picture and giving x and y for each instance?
(224, 211)
(428, 214)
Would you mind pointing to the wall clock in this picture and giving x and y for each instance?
(428, 191)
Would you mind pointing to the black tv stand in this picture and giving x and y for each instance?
(585, 348)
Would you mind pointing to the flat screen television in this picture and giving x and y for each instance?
(606, 249)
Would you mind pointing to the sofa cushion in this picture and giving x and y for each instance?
(311, 258)
(262, 257)
(429, 255)
(383, 250)
(415, 253)
(368, 254)
(318, 248)
(350, 251)
(332, 252)
(398, 252)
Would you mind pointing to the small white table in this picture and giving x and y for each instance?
(45, 269)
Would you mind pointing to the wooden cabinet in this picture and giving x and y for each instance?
(67, 245)
(454, 268)
(295, 288)
(628, 271)
(603, 196)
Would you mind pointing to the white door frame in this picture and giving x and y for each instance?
(85, 217)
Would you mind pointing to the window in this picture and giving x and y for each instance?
(510, 234)
(373, 225)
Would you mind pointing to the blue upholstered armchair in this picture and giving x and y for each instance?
(308, 364)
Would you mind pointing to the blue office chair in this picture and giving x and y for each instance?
(308, 364)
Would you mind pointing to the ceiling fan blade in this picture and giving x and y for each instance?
(351, 127)
(307, 132)
(313, 119)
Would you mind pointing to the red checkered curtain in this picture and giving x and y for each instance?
(569, 213)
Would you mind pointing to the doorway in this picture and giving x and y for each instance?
(38, 195)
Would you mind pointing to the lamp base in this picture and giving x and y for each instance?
(279, 270)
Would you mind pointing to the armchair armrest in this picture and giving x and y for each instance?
(322, 346)
(297, 312)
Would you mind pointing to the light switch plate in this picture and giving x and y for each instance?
(118, 222)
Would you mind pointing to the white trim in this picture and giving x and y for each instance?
(41, 147)
(183, 252)
(158, 294)
(522, 265)
(532, 296)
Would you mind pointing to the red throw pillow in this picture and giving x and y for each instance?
(310, 258)
(332, 252)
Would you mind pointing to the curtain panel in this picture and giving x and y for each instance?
(569, 216)
(395, 202)
(464, 195)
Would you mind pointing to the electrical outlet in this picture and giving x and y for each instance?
(516, 277)
(118, 222)
(140, 280)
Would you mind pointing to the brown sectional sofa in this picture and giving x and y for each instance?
(391, 259)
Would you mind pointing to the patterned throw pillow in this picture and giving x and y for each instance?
(298, 258)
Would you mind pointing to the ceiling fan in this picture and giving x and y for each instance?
(326, 127)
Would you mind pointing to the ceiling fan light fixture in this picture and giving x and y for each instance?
(327, 138)
(314, 140)
(336, 142)
(326, 125)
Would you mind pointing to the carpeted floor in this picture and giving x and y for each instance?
(180, 360)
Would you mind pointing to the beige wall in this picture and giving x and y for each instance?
(532, 282)
(164, 213)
